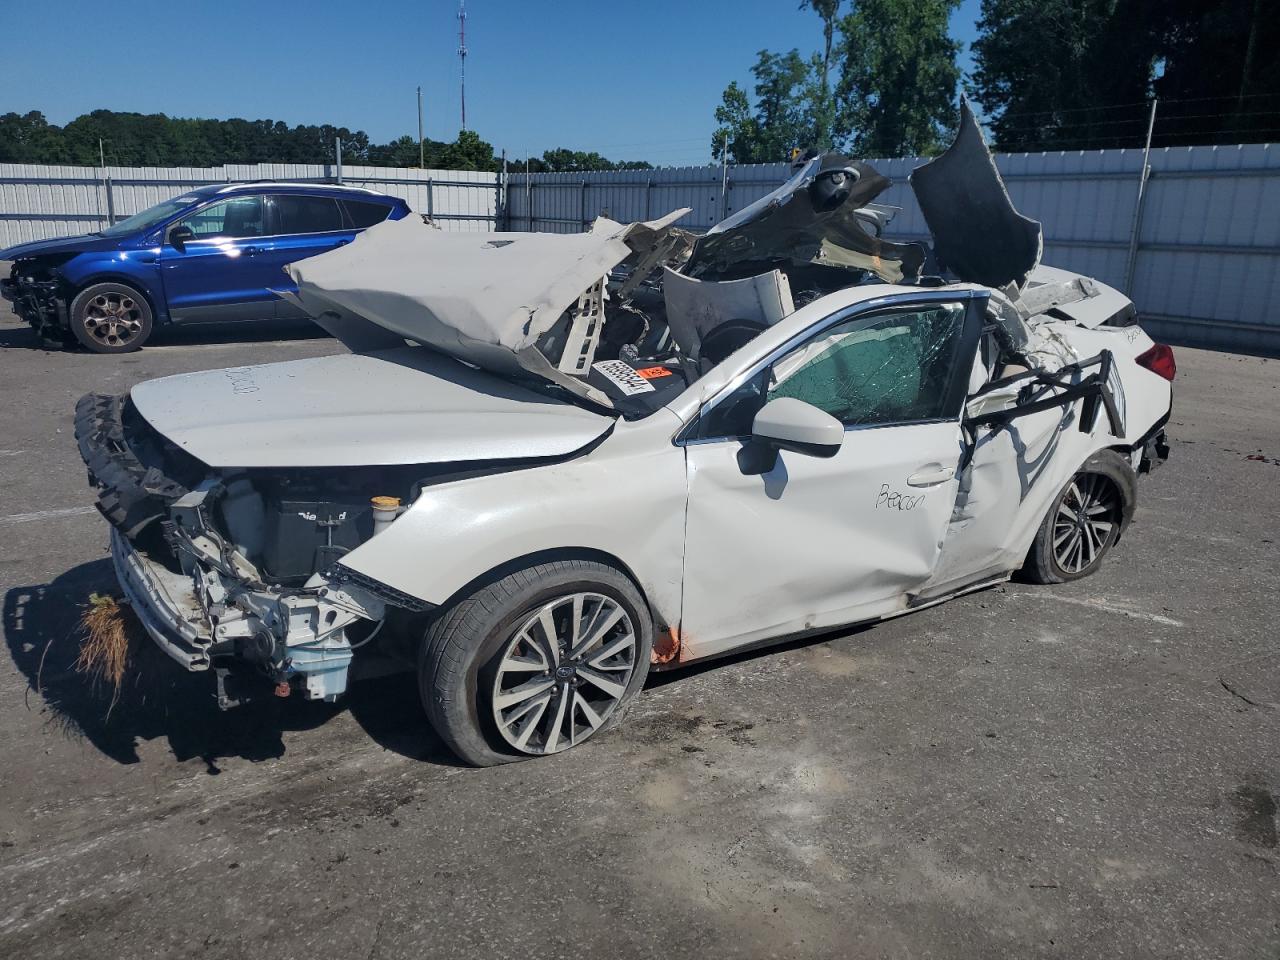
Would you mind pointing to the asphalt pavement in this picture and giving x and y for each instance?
(1088, 770)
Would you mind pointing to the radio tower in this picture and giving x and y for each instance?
(462, 56)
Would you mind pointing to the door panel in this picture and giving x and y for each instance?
(302, 226)
(221, 274)
(816, 542)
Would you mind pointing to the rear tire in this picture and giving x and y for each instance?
(110, 318)
(1084, 521)
(477, 653)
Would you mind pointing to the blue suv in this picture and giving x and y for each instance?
(216, 253)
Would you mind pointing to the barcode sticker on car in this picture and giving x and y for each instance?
(624, 376)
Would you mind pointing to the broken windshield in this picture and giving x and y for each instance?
(896, 370)
(896, 366)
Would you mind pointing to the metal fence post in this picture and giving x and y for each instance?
(528, 202)
(724, 179)
(106, 184)
(582, 205)
(1131, 262)
(431, 197)
(111, 203)
(337, 154)
(501, 220)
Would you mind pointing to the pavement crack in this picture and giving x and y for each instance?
(1227, 686)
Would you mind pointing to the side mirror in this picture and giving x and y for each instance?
(790, 424)
(180, 236)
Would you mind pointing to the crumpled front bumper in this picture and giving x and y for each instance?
(164, 602)
(37, 302)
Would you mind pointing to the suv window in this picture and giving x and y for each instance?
(297, 213)
(896, 366)
(365, 213)
(234, 217)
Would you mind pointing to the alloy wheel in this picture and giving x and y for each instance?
(1085, 523)
(564, 671)
(113, 319)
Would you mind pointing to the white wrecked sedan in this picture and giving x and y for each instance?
(553, 462)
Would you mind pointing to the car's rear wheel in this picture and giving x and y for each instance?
(110, 318)
(536, 662)
(1084, 521)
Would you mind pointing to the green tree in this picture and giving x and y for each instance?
(1048, 71)
(737, 132)
(782, 117)
(1219, 59)
(1075, 73)
(824, 105)
(897, 89)
(30, 138)
(561, 160)
(468, 152)
(402, 152)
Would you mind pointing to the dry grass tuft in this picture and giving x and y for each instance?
(104, 651)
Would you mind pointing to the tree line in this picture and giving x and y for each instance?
(157, 140)
(883, 79)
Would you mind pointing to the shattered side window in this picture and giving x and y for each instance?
(897, 367)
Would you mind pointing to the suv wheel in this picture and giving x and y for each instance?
(1084, 521)
(110, 318)
(536, 662)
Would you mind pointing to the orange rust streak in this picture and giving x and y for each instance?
(666, 646)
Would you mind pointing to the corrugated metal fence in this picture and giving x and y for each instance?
(1206, 268)
(49, 201)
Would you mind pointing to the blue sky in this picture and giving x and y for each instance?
(634, 80)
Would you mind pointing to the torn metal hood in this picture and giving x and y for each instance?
(401, 406)
(485, 298)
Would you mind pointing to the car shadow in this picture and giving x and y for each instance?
(246, 331)
(254, 331)
(23, 338)
(768, 648)
(159, 700)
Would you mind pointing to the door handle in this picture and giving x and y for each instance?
(931, 476)
(250, 251)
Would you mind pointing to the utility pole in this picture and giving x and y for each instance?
(462, 56)
(421, 154)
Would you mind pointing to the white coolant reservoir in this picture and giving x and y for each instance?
(385, 510)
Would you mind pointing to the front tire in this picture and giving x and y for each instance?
(110, 318)
(536, 662)
(1084, 521)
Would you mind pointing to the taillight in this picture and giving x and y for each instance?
(1159, 359)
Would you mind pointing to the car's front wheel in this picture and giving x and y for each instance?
(535, 662)
(110, 318)
(1084, 521)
